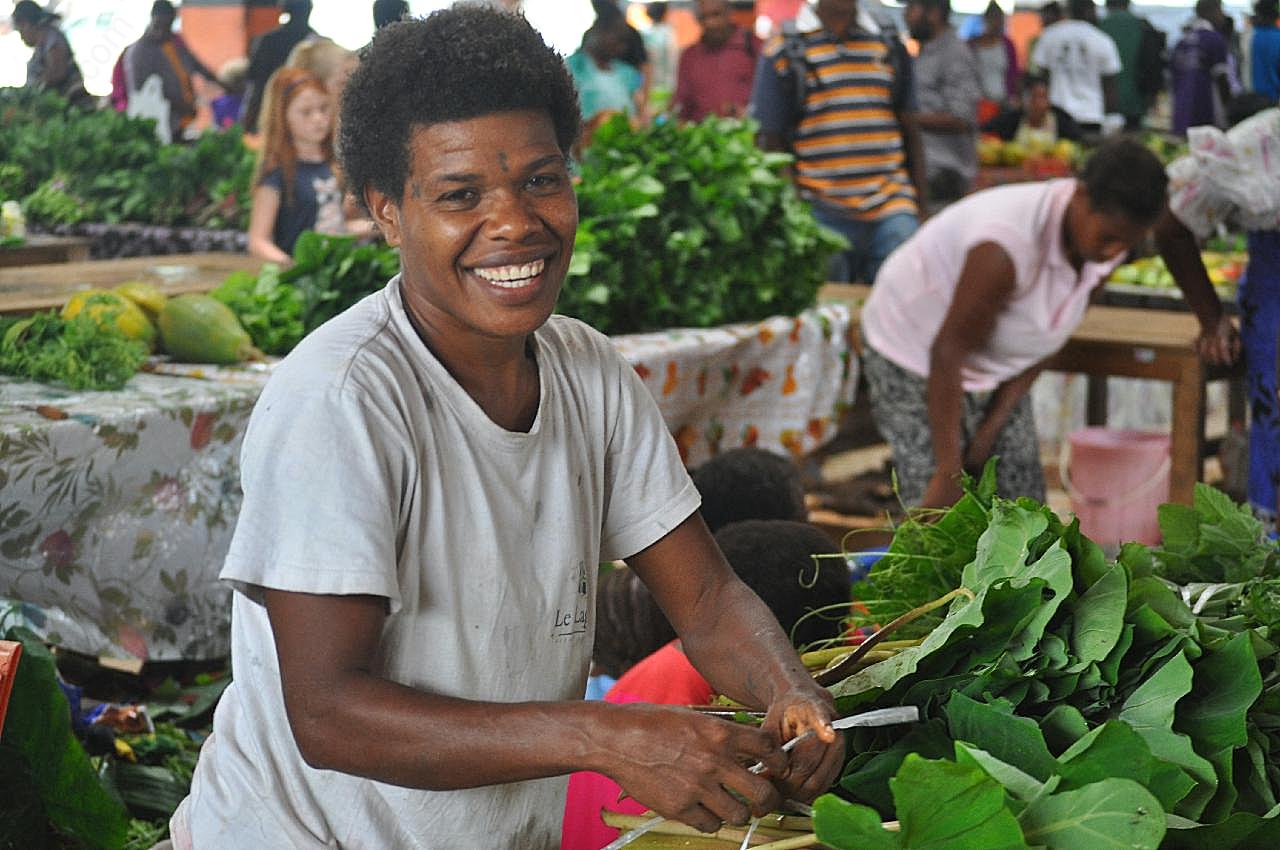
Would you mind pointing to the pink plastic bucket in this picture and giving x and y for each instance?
(1116, 481)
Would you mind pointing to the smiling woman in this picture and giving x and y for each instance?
(430, 480)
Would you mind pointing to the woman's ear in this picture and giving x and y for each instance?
(386, 214)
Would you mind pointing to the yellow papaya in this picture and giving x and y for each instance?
(148, 296)
(198, 329)
(112, 309)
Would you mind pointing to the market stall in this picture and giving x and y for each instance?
(116, 508)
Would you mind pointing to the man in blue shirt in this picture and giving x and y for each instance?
(1266, 49)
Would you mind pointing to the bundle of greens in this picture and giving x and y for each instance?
(333, 272)
(689, 225)
(330, 273)
(269, 309)
(1072, 703)
(86, 352)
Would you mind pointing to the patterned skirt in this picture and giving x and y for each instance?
(901, 412)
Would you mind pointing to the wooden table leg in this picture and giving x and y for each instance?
(1187, 445)
(1095, 406)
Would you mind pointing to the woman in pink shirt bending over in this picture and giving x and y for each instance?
(963, 315)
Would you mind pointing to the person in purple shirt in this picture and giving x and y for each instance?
(716, 73)
(1201, 83)
(1266, 49)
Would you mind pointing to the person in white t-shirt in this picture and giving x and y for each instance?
(1082, 62)
(430, 481)
(963, 315)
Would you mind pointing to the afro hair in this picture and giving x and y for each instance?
(454, 65)
(1123, 177)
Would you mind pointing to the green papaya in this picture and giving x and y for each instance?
(198, 329)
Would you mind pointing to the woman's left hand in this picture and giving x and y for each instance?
(1219, 344)
(815, 762)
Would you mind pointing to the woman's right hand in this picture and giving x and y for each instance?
(1219, 344)
(683, 765)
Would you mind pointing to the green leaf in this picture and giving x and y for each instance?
(847, 826)
(942, 805)
(1113, 813)
(1063, 726)
(997, 613)
(1002, 549)
(1022, 785)
(38, 725)
(1113, 749)
(1099, 616)
(1225, 684)
(1240, 831)
(1014, 740)
(1179, 528)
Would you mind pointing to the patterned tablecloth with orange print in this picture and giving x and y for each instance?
(779, 384)
(116, 508)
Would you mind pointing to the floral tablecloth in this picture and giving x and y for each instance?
(116, 509)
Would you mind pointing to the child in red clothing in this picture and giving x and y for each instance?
(773, 558)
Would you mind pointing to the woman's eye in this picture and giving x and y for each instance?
(459, 196)
(545, 181)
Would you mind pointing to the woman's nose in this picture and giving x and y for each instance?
(512, 216)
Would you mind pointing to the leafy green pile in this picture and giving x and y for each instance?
(1074, 702)
(689, 226)
(925, 560)
(82, 353)
(330, 273)
(57, 796)
(270, 310)
(67, 165)
(51, 791)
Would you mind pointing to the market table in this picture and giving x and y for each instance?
(40, 249)
(116, 508)
(1131, 343)
(27, 289)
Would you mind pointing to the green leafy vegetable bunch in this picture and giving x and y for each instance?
(115, 169)
(330, 273)
(1073, 702)
(689, 226)
(83, 353)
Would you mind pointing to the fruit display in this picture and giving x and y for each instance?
(199, 329)
(1166, 148)
(1224, 268)
(115, 310)
(1041, 160)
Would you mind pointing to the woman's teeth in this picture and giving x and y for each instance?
(511, 277)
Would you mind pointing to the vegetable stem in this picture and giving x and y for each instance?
(848, 666)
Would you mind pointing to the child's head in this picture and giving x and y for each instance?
(455, 132)
(232, 75)
(775, 559)
(329, 61)
(749, 483)
(297, 114)
(629, 623)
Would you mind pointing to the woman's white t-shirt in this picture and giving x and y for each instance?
(367, 469)
(917, 283)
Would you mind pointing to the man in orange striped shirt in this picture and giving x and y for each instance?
(859, 159)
